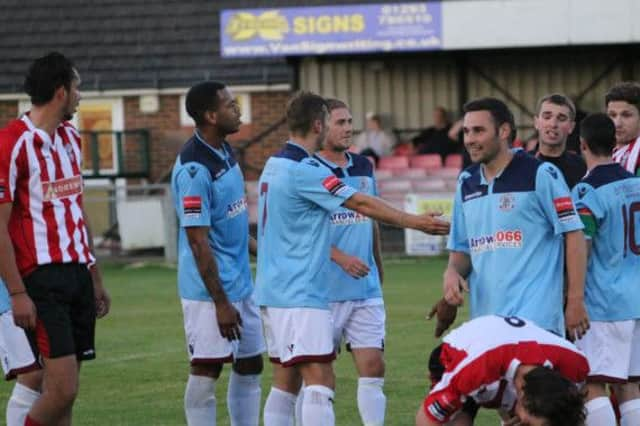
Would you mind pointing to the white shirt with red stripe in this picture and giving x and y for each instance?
(628, 156)
(42, 178)
(484, 353)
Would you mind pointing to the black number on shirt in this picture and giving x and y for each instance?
(629, 220)
(515, 321)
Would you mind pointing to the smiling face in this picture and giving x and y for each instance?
(553, 123)
(626, 119)
(481, 137)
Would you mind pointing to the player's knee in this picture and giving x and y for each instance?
(373, 367)
(207, 370)
(626, 391)
(318, 373)
(62, 392)
(248, 366)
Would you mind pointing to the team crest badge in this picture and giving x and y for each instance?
(507, 202)
(364, 184)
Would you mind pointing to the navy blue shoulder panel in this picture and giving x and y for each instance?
(194, 151)
(292, 152)
(605, 174)
(335, 170)
(361, 166)
(231, 152)
(520, 174)
(471, 185)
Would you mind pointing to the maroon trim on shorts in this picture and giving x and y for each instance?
(600, 378)
(15, 372)
(634, 378)
(274, 360)
(207, 361)
(324, 359)
(42, 339)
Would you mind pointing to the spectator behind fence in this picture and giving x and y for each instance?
(374, 141)
(436, 139)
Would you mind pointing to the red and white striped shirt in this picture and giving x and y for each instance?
(42, 178)
(628, 156)
(481, 358)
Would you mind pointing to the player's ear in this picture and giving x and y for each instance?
(583, 145)
(504, 131)
(211, 117)
(60, 93)
(318, 126)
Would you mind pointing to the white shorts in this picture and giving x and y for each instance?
(360, 322)
(613, 351)
(298, 335)
(15, 352)
(206, 345)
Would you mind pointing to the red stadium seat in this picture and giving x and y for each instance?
(410, 173)
(383, 174)
(426, 161)
(394, 186)
(429, 185)
(446, 172)
(403, 149)
(453, 160)
(393, 163)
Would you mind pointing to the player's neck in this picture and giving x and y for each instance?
(551, 150)
(498, 164)
(595, 161)
(309, 142)
(336, 157)
(45, 118)
(211, 137)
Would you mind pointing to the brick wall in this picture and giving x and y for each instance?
(8, 111)
(167, 135)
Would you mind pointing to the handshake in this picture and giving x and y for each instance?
(445, 315)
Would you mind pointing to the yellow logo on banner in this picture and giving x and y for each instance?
(269, 25)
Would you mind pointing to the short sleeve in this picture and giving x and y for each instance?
(589, 208)
(441, 404)
(7, 178)
(458, 238)
(193, 196)
(320, 186)
(555, 199)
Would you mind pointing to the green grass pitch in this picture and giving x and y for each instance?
(141, 369)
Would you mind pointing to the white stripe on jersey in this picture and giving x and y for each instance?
(628, 156)
(35, 206)
(13, 169)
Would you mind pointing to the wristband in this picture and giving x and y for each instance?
(15, 293)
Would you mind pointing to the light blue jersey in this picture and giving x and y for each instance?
(512, 230)
(352, 233)
(208, 189)
(608, 201)
(5, 300)
(297, 196)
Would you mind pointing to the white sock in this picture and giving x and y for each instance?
(19, 404)
(279, 408)
(630, 413)
(600, 412)
(243, 399)
(299, 401)
(371, 401)
(200, 401)
(317, 406)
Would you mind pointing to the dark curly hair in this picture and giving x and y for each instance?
(549, 395)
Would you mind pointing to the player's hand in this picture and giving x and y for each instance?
(24, 311)
(431, 224)
(353, 266)
(445, 315)
(576, 319)
(229, 321)
(513, 421)
(454, 287)
(103, 300)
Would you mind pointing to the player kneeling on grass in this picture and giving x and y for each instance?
(527, 373)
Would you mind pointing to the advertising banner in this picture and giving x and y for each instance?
(418, 243)
(331, 29)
